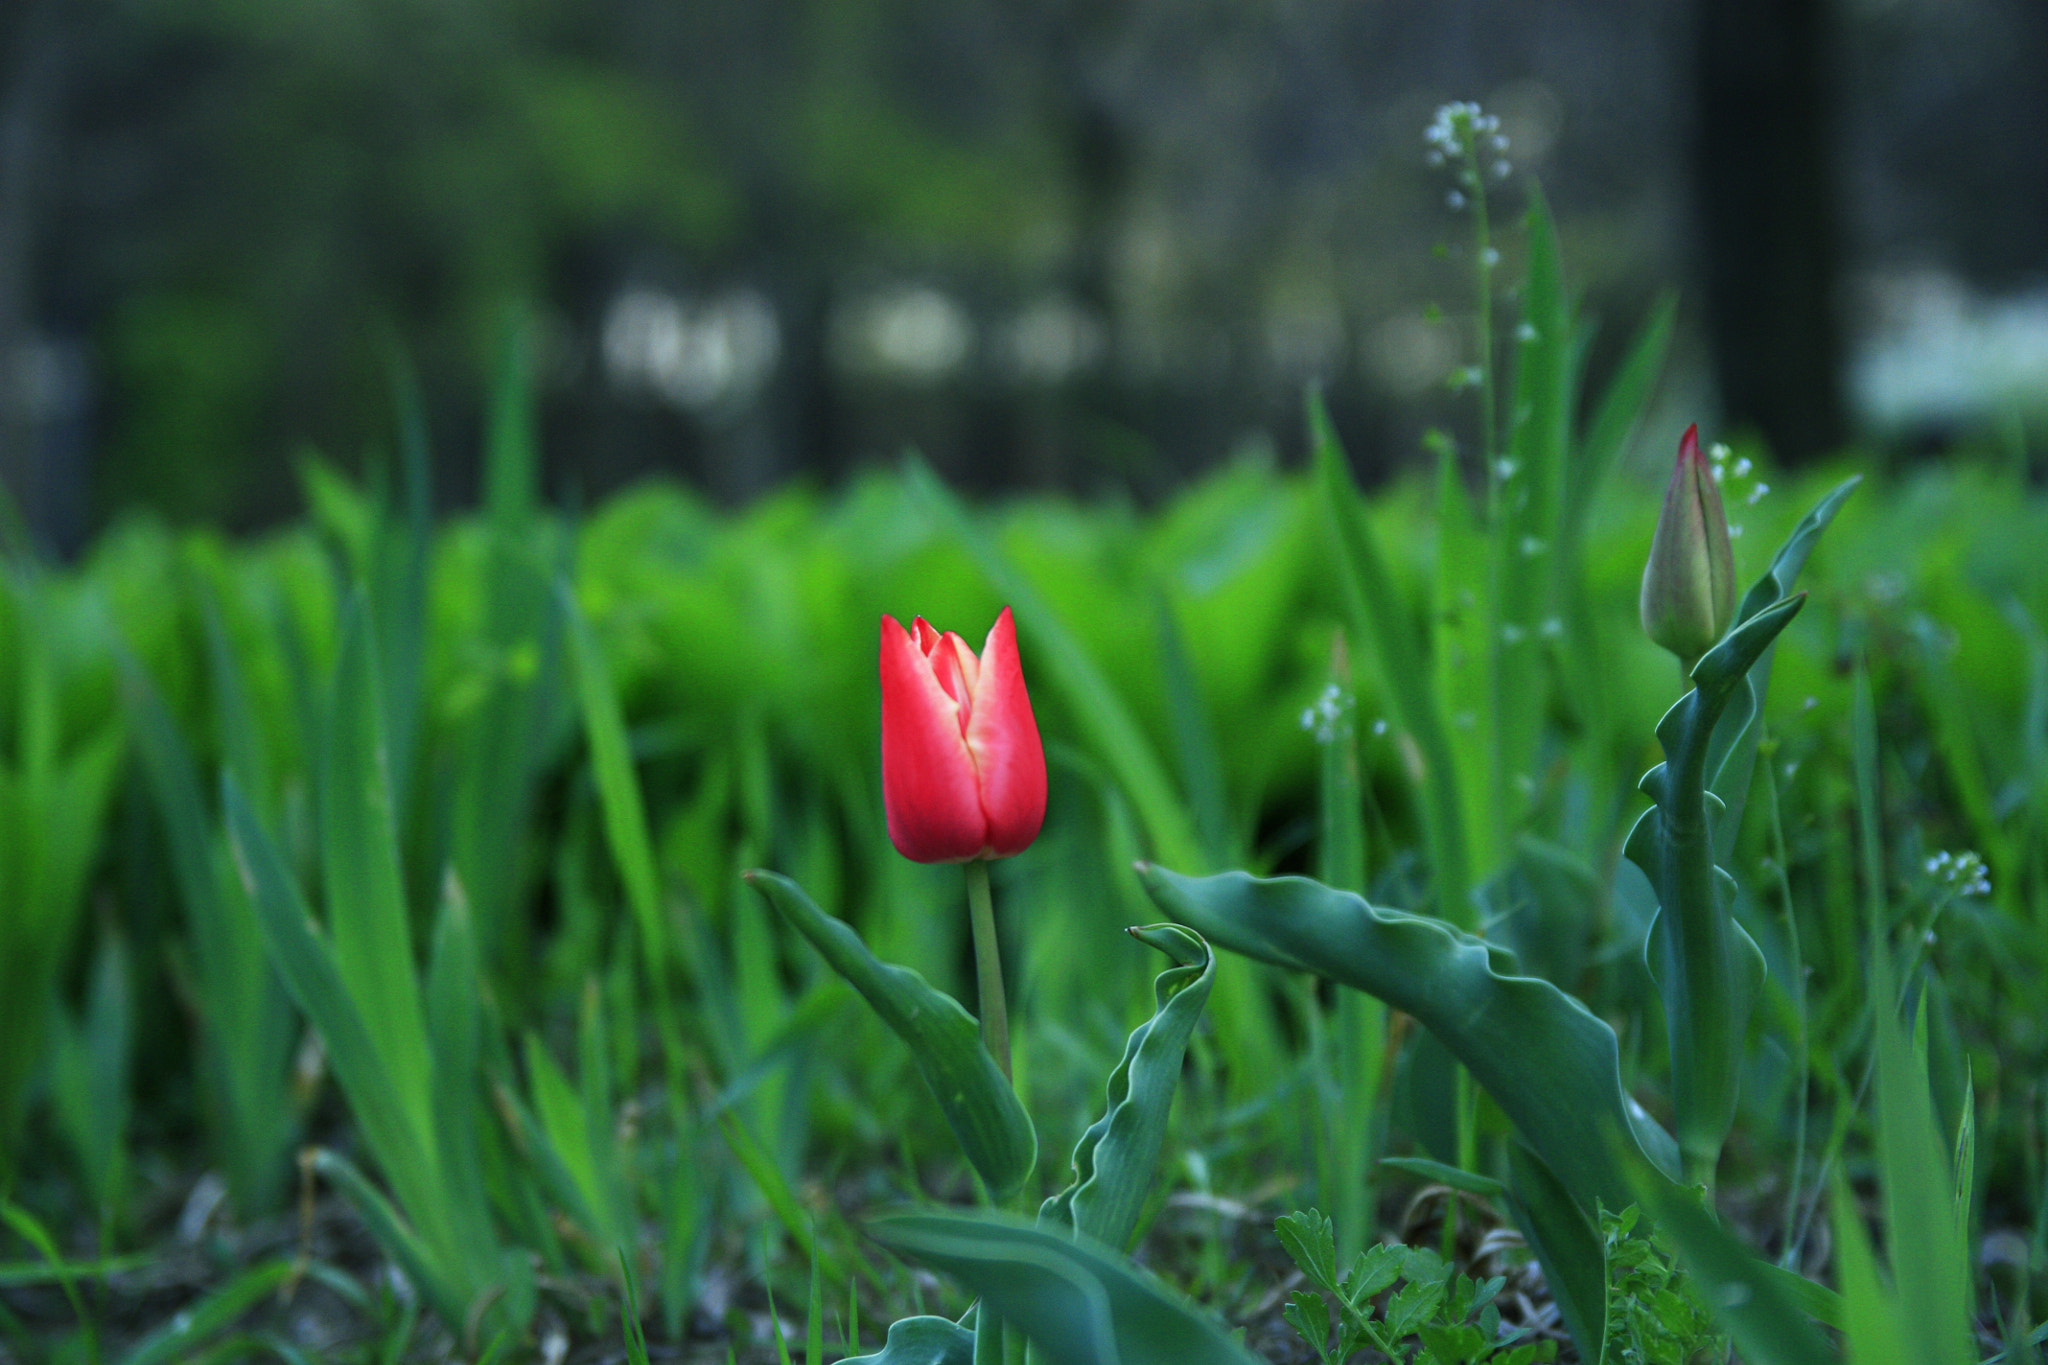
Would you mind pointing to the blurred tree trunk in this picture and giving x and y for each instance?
(31, 69)
(1765, 198)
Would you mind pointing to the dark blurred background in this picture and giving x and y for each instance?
(1053, 244)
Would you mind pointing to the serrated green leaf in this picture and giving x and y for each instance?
(1552, 1066)
(1078, 1302)
(1378, 1266)
(1745, 1294)
(1307, 1238)
(1309, 1314)
(980, 1106)
(1413, 1304)
(1115, 1158)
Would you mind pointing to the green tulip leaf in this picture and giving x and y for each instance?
(922, 1341)
(1079, 1302)
(984, 1112)
(1777, 580)
(1566, 1244)
(1549, 1062)
(1706, 968)
(1115, 1158)
(1736, 734)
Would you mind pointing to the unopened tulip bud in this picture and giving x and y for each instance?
(1688, 599)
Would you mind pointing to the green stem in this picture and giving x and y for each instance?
(988, 966)
(1490, 463)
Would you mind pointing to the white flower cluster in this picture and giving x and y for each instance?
(1963, 871)
(1461, 131)
(1729, 473)
(1330, 718)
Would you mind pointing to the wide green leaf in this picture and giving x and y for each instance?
(1115, 1159)
(945, 1042)
(1078, 1302)
(922, 1341)
(1549, 1062)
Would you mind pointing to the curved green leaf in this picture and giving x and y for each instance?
(1550, 1063)
(1078, 1302)
(922, 1341)
(984, 1112)
(1115, 1158)
(1735, 759)
(1777, 580)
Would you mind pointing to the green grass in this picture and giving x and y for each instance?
(396, 868)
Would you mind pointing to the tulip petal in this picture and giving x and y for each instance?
(929, 789)
(1002, 735)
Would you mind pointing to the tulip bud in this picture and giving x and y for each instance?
(963, 771)
(1688, 599)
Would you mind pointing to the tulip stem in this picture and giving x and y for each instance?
(988, 965)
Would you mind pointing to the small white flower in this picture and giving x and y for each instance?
(1742, 466)
(1531, 547)
(1489, 258)
(1526, 332)
(1551, 629)
(1379, 727)
(1756, 494)
(1455, 199)
(1717, 471)
(1512, 634)
(1507, 467)
(1965, 872)
(1718, 453)
(1501, 169)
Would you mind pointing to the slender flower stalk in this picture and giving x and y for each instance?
(988, 966)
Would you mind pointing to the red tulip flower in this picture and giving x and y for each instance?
(963, 771)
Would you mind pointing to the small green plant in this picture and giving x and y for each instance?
(1654, 1310)
(1451, 1318)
